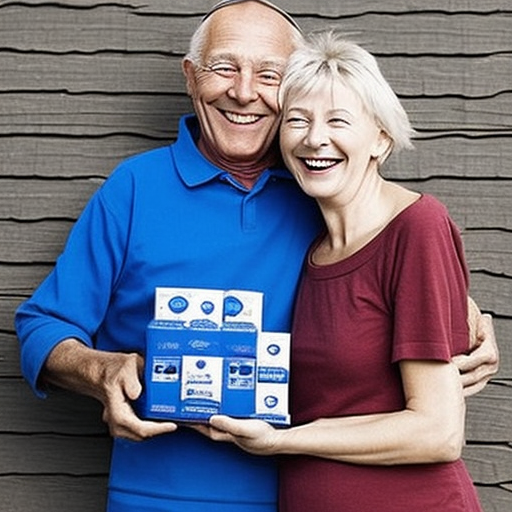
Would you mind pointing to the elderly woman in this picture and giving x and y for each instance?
(377, 406)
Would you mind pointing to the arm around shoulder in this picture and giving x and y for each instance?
(482, 361)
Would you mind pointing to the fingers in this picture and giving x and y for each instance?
(130, 379)
(122, 386)
(224, 423)
(123, 422)
(472, 389)
(482, 363)
(475, 371)
(212, 432)
(485, 328)
(474, 315)
(240, 428)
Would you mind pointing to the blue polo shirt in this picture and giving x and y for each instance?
(169, 217)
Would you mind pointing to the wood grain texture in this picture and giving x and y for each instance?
(53, 493)
(86, 83)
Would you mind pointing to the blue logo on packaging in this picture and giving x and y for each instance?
(232, 306)
(201, 363)
(273, 349)
(207, 307)
(178, 304)
(271, 401)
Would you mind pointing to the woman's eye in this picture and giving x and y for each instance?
(296, 122)
(339, 121)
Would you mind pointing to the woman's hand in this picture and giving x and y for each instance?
(253, 436)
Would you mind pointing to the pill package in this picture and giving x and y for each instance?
(206, 354)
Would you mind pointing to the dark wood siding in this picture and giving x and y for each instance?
(85, 83)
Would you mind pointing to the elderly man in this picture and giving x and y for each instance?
(213, 210)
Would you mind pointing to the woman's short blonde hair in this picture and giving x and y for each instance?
(329, 56)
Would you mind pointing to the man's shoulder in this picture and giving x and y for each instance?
(156, 156)
(136, 173)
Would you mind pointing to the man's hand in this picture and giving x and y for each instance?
(482, 363)
(120, 386)
(113, 378)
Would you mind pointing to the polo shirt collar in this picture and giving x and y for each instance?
(193, 168)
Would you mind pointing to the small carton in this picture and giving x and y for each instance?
(206, 354)
(273, 356)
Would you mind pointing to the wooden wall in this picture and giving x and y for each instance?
(85, 83)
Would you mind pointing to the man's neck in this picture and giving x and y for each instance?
(246, 173)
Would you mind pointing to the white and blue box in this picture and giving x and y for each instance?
(206, 354)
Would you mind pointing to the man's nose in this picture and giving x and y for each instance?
(244, 88)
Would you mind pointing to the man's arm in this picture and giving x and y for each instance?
(482, 362)
(110, 377)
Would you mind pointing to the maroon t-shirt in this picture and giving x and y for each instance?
(402, 296)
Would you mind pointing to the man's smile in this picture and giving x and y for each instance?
(241, 118)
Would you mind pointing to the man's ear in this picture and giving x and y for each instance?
(189, 71)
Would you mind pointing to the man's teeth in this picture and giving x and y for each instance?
(241, 119)
(319, 164)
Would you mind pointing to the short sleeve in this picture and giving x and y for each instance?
(430, 286)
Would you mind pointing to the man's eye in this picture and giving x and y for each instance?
(223, 69)
(270, 76)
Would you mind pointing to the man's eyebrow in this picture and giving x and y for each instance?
(219, 57)
(231, 57)
(273, 64)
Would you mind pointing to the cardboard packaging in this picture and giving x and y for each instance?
(206, 354)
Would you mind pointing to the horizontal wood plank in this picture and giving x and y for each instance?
(452, 155)
(93, 115)
(503, 328)
(125, 29)
(80, 157)
(83, 157)
(489, 415)
(489, 464)
(61, 413)
(495, 498)
(54, 455)
(481, 204)
(156, 117)
(9, 353)
(161, 74)
(53, 493)
(21, 280)
(33, 241)
(493, 293)
(486, 204)
(45, 199)
(487, 250)
(324, 8)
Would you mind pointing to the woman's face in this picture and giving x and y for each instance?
(328, 141)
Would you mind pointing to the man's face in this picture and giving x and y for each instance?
(234, 91)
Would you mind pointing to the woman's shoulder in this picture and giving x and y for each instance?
(426, 211)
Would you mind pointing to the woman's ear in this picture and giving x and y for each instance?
(382, 147)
